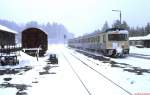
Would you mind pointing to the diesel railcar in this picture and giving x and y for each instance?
(34, 40)
(112, 42)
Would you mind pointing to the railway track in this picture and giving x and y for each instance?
(99, 73)
(89, 93)
(126, 63)
(140, 56)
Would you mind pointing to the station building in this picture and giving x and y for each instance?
(7, 36)
(140, 41)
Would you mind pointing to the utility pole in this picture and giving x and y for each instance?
(120, 14)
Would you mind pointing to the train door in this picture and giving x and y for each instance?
(104, 41)
(98, 43)
(104, 44)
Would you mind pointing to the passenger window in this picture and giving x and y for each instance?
(98, 39)
(104, 39)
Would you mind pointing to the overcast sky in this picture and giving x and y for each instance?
(79, 16)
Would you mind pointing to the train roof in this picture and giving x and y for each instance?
(114, 29)
(121, 30)
(3, 28)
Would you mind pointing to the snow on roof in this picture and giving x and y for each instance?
(3, 28)
(136, 38)
(147, 37)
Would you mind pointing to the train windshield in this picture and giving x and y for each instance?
(117, 37)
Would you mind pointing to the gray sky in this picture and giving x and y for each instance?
(79, 16)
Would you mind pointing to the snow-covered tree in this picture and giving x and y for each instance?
(105, 26)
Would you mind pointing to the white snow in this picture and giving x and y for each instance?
(147, 37)
(144, 51)
(62, 80)
(7, 29)
(136, 38)
(130, 81)
(120, 31)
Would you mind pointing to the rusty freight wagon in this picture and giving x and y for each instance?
(34, 41)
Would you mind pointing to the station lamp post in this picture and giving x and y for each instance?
(120, 14)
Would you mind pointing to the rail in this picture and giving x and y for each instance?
(102, 75)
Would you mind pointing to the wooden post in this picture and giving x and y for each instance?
(37, 54)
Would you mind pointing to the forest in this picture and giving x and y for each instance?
(57, 33)
(133, 31)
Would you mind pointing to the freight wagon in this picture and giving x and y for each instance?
(34, 41)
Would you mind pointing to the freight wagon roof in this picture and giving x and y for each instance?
(3, 28)
(30, 28)
(43, 31)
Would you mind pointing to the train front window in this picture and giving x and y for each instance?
(117, 37)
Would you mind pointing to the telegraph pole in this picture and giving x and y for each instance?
(119, 14)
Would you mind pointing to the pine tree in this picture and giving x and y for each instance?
(147, 29)
(124, 25)
(116, 24)
(105, 26)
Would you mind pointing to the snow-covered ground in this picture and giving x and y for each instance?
(58, 80)
(32, 77)
(133, 74)
(144, 51)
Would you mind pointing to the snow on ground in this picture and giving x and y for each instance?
(39, 78)
(64, 82)
(33, 78)
(95, 83)
(144, 51)
(125, 71)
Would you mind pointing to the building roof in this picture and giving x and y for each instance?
(147, 37)
(3, 28)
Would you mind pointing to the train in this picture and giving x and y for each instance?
(112, 42)
(34, 41)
